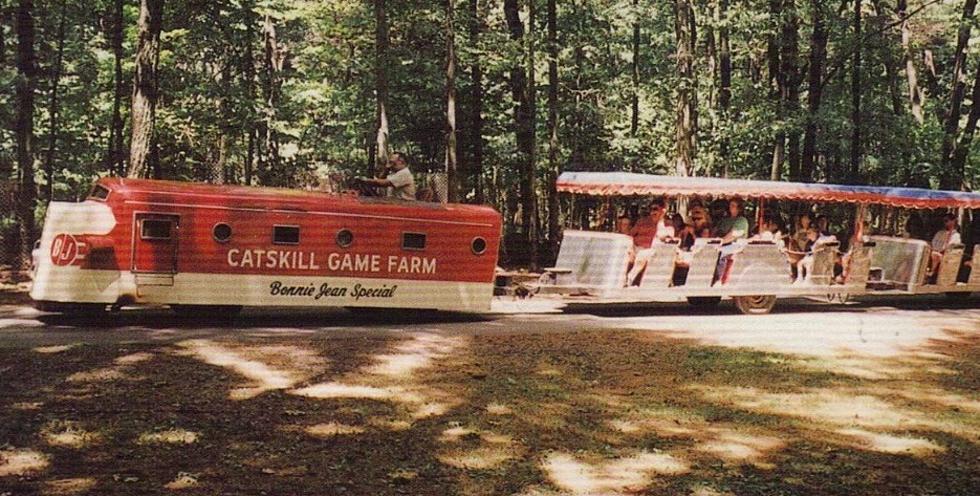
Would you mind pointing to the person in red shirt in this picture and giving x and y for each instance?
(651, 227)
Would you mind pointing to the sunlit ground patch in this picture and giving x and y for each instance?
(887, 443)
(334, 390)
(740, 447)
(498, 409)
(21, 462)
(183, 480)
(331, 429)
(65, 487)
(820, 405)
(256, 364)
(414, 354)
(629, 474)
(477, 450)
(389, 424)
(27, 406)
(68, 435)
(169, 436)
(50, 350)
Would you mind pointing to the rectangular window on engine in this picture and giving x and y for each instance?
(100, 192)
(413, 241)
(285, 235)
(156, 229)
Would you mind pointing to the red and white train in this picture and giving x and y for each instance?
(218, 248)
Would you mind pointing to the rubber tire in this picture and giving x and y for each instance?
(704, 301)
(207, 313)
(72, 309)
(958, 295)
(755, 305)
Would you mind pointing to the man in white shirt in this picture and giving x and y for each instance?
(942, 240)
(400, 182)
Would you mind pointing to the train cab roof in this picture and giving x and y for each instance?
(116, 190)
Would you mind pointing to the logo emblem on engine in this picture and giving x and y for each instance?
(64, 249)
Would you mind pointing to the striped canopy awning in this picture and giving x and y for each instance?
(627, 184)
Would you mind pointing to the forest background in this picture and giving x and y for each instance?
(501, 95)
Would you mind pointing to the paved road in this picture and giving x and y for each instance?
(794, 326)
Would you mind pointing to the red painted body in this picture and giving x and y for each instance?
(193, 210)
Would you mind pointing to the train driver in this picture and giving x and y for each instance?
(729, 229)
(400, 182)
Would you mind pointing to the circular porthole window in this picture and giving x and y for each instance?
(221, 232)
(345, 238)
(479, 246)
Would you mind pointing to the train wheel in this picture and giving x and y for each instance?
(704, 301)
(209, 313)
(755, 305)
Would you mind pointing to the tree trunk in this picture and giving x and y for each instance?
(891, 65)
(554, 227)
(952, 178)
(635, 96)
(686, 105)
(451, 179)
(53, 107)
(725, 75)
(963, 147)
(524, 122)
(476, 129)
(776, 86)
(790, 93)
(818, 57)
(274, 61)
(116, 154)
(381, 86)
(856, 122)
(24, 127)
(142, 158)
(248, 73)
(916, 96)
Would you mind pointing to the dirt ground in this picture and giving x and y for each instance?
(870, 400)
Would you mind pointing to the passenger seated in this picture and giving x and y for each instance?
(730, 229)
(798, 242)
(804, 267)
(648, 230)
(682, 231)
(769, 231)
(941, 241)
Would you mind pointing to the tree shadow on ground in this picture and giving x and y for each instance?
(590, 412)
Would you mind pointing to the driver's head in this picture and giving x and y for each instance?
(396, 161)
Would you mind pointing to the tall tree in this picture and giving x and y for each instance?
(523, 120)
(381, 85)
(24, 127)
(952, 178)
(725, 79)
(814, 95)
(790, 92)
(143, 159)
(966, 137)
(554, 227)
(856, 121)
(274, 61)
(476, 99)
(452, 180)
(116, 153)
(635, 66)
(53, 108)
(916, 95)
(686, 104)
(248, 77)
